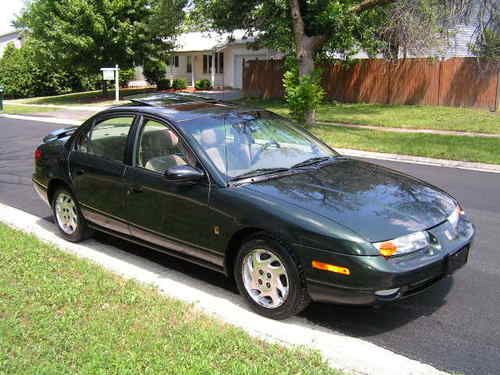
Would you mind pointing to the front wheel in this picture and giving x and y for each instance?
(270, 279)
(68, 217)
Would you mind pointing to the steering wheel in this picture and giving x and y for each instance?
(264, 147)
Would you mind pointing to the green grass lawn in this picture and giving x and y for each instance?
(88, 97)
(13, 109)
(64, 315)
(399, 116)
(486, 150)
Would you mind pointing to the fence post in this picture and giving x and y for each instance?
(439, 80)
(497, 96)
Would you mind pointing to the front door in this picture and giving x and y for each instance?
(97, 166)
(161, 212)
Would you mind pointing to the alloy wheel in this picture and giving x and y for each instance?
(66, 214)
(265, 278)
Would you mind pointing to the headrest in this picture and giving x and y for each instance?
(169, 137)
(212, 137)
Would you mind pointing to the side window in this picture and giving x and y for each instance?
(159, 148)
(108, 138)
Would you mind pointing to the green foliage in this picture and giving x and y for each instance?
(179, 84)
(27, 72)
(87, 35)
(154, 71)
(126, 75)
(203, 84)
(164, 84)
(303, 94)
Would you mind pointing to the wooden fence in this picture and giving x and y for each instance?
(461, 82)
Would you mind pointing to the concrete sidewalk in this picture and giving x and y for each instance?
(406, 130)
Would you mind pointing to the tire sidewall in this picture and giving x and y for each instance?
(81, 229)
(288, 308)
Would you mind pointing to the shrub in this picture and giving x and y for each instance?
(303, 94)
(163, 84)
(154, 71)
(179, 84)
(203, 84)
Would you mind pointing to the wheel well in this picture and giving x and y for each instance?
(234, 245)
(53, 186)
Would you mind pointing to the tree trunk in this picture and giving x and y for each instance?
(305, 48)
(104, 86)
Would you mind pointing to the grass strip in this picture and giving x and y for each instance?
(60, 314)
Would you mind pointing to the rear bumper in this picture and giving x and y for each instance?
(397, 278)
(41, 190)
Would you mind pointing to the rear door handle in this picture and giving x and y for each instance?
(79, 171)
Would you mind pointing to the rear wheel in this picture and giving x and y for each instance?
(270, 278)
(68, 217)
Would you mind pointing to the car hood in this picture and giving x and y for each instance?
(374, 201)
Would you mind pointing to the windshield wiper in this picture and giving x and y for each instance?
(258, 172)
(311, 161)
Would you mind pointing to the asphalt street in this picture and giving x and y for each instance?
(454, 326)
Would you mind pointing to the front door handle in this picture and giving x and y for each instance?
(135, 189)
(79, 171)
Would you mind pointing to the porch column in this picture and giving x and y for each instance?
(193, 64)
(212, 70)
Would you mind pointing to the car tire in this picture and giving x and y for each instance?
(68, 217)
(264, 267)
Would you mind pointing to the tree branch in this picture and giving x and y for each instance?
(369, 4)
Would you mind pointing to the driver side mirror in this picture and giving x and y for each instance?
(183, 174)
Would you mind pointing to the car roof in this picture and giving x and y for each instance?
(180, 107)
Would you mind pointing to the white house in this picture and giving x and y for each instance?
(11, 37)
(213, 56)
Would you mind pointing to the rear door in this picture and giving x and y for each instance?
(97, 166)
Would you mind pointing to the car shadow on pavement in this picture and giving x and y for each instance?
(353, 321)
(366, 321)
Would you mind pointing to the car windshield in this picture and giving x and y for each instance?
(246, 144)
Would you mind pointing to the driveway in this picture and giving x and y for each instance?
(455, 326)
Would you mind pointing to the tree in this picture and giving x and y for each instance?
(85, 35)
(28, 71)
(307, 29)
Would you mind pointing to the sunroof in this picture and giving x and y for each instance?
(167, 99)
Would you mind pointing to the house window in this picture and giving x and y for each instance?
(207, 64)
(189, 65)
(173, 61)
(218, 63)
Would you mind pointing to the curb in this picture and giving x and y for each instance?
(345, 352)
(74, 107)
(471, 166)
(49, 120)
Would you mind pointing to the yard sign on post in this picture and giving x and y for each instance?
(109, 74)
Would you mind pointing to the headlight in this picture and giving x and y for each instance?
(454, 218)
(403, 245)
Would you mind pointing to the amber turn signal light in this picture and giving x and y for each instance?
(330, 267)
(387, 249)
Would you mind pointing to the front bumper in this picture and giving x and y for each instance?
(406, 275)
